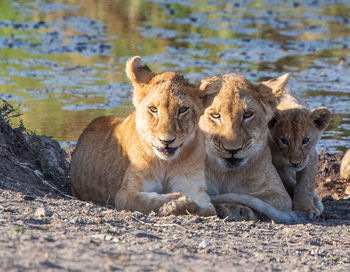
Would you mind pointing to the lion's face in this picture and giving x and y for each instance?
(167, 116)
(296, 132)
(235, 123)
(167, 109)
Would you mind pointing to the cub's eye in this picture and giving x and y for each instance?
(305, 141)
(183, 110)
(215, 115)
(248, 115)
(153, 109)
(284, 141)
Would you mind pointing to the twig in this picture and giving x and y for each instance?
(39, 174)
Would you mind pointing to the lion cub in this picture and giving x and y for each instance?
(295, 132)
(154, 159)
(239, 166)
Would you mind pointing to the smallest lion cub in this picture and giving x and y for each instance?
(295, 132)
(154, 159)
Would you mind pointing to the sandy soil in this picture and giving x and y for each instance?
(43, 228)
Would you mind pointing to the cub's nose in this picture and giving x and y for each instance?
(166, 141)
(295, 164)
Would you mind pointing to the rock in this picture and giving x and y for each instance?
(42, 212)
(204, 243)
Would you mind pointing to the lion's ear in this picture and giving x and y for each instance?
(140, 75)
(137, 71)
(273, 88)
(321, 117)
(209, 87)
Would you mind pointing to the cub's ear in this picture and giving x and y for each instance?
(321, 117)
(137, 71)
(140, 75)
(274, 119)
(273, 88)
(209, 87)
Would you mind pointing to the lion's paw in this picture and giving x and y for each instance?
(236, 212)
(180, 206)
(311, 210)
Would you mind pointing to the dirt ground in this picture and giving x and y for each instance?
(43, 228)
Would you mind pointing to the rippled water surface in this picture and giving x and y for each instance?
(62, 62)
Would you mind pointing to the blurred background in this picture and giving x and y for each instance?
(62, 62)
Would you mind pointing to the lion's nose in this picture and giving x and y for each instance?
(167, 141)
(295, 164)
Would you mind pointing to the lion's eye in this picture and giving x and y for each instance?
(153, 109)
(183, 110)
(248, 115)
(305, 141)
(284, 141)
(215, 115)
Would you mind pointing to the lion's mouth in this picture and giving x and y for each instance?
(233, 162)
(167, 150)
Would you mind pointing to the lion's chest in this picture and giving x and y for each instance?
(153, 186)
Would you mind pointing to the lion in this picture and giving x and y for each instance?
(345, 166)
(239, 165)
(154, 159)
(295, 131)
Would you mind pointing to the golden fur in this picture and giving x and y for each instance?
(154, 159)
(345, 166)
(295, 132)
(238, 161)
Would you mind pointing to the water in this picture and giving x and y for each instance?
(62, 62)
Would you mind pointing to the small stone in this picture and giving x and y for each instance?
(29, 197)
(204, 244)
(42, 212)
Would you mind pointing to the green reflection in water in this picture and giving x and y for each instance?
(45, 94)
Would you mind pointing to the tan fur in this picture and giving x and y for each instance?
(154, 159)
(345, 166)
(297, 161)
(238, 159)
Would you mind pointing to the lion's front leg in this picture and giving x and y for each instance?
(304, 193)
(196, 200)
(288, 177)
(132, 196)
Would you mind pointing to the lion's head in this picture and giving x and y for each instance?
(235, 123)
(167, 108)
(296, 132)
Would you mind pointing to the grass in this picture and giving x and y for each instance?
(19, 229)
(8, 114)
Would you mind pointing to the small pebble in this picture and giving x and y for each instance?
(42, 212)
(204, 244)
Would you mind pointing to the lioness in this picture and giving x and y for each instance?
(238, 160)
(154, 159)
(295, 132)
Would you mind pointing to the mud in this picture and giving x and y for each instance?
(43, 228)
